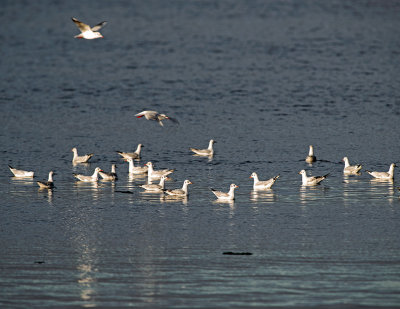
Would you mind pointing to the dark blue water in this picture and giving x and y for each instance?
(265, 79)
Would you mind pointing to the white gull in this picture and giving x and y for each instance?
(384, 175)
(20, 173)
(311, 180)
(80, 159)
(205, 152)
(262, 185)
(91, 178)
(350, 169)
(226, 196)
(87, 32)
(180, 192)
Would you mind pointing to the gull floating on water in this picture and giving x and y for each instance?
(87, 32)
(80, 159)
(155, 187)
(384, 175)
(350, 169)
(262, 185)
(205, 152)
(153, 115)
(133, 155)
(226, 196)
(136, 169)
(20, 173)
(180, 192)
(312, 180)
(109, 176)
(311, 158)
(47, 184)
(94, 177)
(152, 174)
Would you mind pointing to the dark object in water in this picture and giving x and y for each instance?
(128, 192)
(237, 253)
(39, 262)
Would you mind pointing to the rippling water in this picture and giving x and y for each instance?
(265, 79)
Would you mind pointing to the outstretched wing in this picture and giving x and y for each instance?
(82, 26)
(99, 26)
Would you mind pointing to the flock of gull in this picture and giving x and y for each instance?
(90, 33)
(161, 175)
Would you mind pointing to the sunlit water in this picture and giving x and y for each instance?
(265, 79)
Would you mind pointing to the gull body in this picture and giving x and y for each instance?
(262, 185)
(156, 116)
(80, 159)
(311, 158)
(205, 152)
(87, 32)
(180, 192)
(47, 184)
(311, 180)
(155, 187)
(226, 196)
(152, 174)
(136, 170)
(92, 178)
(384, 175)
(112, 176)
(21, 173)
(133, 155)
(350, 169)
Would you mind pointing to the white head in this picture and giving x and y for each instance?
(302, 172)
(74, 150)
(51, 176)
(113, 167)
(187, 182)
(311, 151)
(98, 169)
(253, 175)
(233, 186)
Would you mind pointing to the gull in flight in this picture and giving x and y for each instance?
(133, 155)
(205, 152)
(94, 177)
(87, 32)
(384, 175)
(47, 184)
(110, 176)
(20, 173)
(153, 115)
(311, 158)
(180, 192)
(312, 180)
(226, 196)
(262, 185)
(350, 169)
(80, 159)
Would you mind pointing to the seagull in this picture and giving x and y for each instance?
(205, 152)
(262, 185)
(94, 177)
(87, 32)
(133, 155)
(312, 180)
(152, 174)
(180, 192)
(350, 169)
(110, 176)
(155, 187)
(153, 115)
(226, 196)
(80, 159)
(311, 158)
(47, 184)
(136, 169)
(384, 175)
(20, 173)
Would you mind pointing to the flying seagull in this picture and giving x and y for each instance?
(87, 32)
(153, 115)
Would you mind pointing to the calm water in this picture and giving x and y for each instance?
(265, 79)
